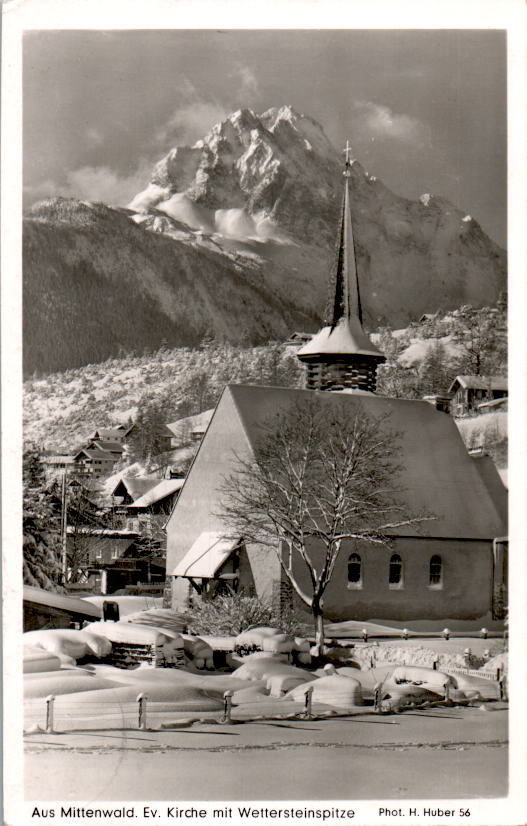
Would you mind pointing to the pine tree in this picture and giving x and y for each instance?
(435, 372)
(41, 527)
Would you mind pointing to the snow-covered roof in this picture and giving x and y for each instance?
(114, 533)
(191, 424)
(111, 447)
(206, 556)
(346, 338)
(480, 382)
(110, 432)
(494, 403)
(164, 488)
(60, 601)
(95, 453)
(135, 486)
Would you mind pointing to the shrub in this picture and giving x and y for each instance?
(230, 614)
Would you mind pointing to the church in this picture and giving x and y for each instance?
(453, 568)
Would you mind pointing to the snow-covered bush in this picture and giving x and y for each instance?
(230, 614)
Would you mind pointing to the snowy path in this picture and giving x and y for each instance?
(440, 753)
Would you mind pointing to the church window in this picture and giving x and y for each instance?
(354, 571)
(395, 575)
(436, 570)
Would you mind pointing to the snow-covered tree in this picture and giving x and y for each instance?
(436, 371)
(482, 341)
(317, 478)
(41, 527)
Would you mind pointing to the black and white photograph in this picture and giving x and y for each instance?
(263, 300)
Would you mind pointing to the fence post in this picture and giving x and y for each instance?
(141, 699)
(308, 699)
(49, 713)
(502, 684)
(227, 707)
(377, 697)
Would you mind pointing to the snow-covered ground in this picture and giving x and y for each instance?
(447, 753)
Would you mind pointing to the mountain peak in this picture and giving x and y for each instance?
(251, 163)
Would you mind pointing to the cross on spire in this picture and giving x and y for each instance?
(347, 153)
(341, 354)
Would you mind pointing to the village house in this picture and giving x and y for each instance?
(130, 488)
(469, 392)
(57, 463)
(150, 511)
(190, 429)
(95, 459)
(93, 462)
(112, 434)
(116, 558)
(114, 448)
(451, 567)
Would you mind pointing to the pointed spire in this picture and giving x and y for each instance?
(343, 295)
(341, 354)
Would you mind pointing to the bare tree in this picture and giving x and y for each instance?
(319, 476)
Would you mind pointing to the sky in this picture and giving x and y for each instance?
(424, 110)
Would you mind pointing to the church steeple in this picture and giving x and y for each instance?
(341, 355)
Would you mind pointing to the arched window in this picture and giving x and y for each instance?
(354, 570)
(436, 570)
(395, 576)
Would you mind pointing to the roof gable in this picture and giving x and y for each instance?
(135, 486)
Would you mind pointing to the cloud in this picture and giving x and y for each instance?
(94, 137)
(101, 183)
(36, 192)
(191, 122)
(197, 113)
(374, 120)
(248, 88)
(93, 183)
(192, 119)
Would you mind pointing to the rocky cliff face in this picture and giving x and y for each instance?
(251, 211)
(277, 177)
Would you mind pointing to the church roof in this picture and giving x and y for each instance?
(438, 477)
(346, 338)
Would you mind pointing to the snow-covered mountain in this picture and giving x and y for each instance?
(235, 236)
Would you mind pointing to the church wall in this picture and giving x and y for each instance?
(260, 571)
(199, 500)
(464, 593)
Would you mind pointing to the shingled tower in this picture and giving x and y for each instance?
(341, 355)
